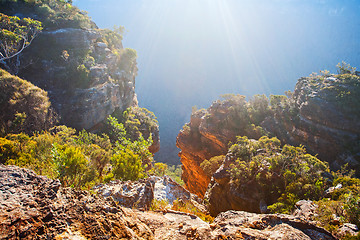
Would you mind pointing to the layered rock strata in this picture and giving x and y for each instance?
(327, 122)
(107, 86)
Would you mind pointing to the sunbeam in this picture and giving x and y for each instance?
(192, 51)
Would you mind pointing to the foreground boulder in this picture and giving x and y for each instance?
(141, 193)
(35, 206)
(244, 225)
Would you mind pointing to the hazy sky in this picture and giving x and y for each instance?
(192, 51)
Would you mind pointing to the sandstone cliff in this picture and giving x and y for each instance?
(327, 121)
(104, 89)
(33, 206)
(86, 71)
(321, 114)
(207, 135)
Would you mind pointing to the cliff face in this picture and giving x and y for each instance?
(105, 87)
(86, 71)
(322, 114)
(207, 135)
(327, 122)
(223, 195)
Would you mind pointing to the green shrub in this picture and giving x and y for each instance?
(72, 166)
(127, 165)
(159, 169)
(345, 68)
(210, 166)
(343, 202)
(24, 107)
(282, 176)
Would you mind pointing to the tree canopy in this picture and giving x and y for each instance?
(16, 34)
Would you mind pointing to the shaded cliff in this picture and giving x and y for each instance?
(84, 86)
(321, 114)
(85, 70)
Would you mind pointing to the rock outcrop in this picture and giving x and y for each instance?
(85, 78)
(141, 193)
(322, 114)
(244, 225)
(33, 206)
(207, 135)
(223, 195)
(232, 225)
(105, 86)
(327, 121)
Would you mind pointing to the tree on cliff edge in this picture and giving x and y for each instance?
(15, 35)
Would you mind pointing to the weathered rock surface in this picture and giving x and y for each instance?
(55, 72)
(206, 135)
(347, 229)
(141, 193)
(305, 209)
(232, 225)
(327, 121)
(244, 225)
(176, 225)
(35, 207)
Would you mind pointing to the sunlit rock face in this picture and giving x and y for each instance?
(323, 117)
(53, 62)
(207, 135)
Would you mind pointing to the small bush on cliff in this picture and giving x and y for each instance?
(24, 107)
(345, 68)
(139, 122)
(134, 151)
(127, 165)
(342, 201)
(53, 13)
(282, 175)
(16, 34)
(175, 171)
(210, 166)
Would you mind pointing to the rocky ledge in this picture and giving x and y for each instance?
(33, 206)
(140, 194)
